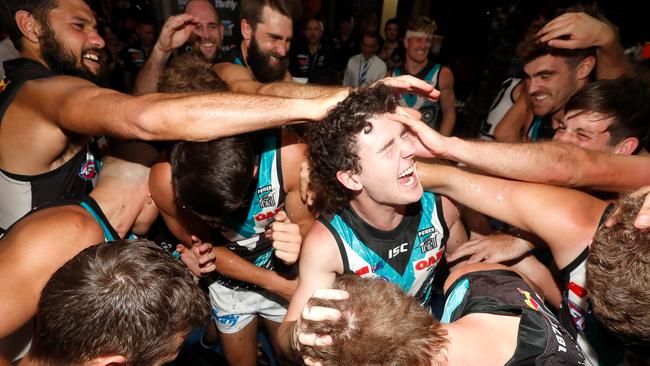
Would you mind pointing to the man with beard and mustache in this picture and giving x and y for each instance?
(48, 111)
(267, 30)
(199, 26)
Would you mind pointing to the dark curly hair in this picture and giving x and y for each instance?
(333, 143)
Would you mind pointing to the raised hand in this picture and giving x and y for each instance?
(412, 85)
(576, 30)
(176, 31)
(286, 238)
(300, 338)
(497, 248)
(428, 142)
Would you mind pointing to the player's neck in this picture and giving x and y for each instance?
(413, 67)
(380, 216)
(33, 54)
(120, 209)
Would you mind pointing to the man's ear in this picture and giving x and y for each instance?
(109, 360)
(349, 180)
(627, 146)
(585, 67)
(28, 26)
(246, 30)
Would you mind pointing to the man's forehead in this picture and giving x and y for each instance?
(545, 62)
(589, 118)
(381, 126)
(203, 10)
(274, 18)
(75, 7)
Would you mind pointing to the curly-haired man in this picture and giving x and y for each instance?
(381, 223)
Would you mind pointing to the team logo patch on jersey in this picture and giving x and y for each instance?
(267, 198)
(88, 170)
(428, 239)
(3, 84)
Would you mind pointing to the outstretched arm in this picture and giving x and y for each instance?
(176, 31)
(543, 162)
(565, 219)
(79, 106)
(579, 30)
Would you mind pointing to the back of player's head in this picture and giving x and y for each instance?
(212, 179)
(379, 325)
(333, 143)
(626, 100)
(127, 298)
(190, 73)
(618, 273)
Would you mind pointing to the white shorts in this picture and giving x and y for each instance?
(234, 309)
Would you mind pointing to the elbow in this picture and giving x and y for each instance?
(146, 126)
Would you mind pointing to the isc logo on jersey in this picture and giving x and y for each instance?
(427, 263)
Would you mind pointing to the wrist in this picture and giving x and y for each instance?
(160, 52)
(452, 148)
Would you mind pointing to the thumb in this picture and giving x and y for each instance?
(180, 248)
(282, 217)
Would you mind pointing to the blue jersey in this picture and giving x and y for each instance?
(243, 229)
(430, 110)
(407, 255)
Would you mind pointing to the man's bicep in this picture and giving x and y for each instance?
(318, 268)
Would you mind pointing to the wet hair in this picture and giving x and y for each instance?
(251, 10)
(422, 24)
(379, 325)
(333, 143)
(531, 49)
(618, 273)
(38, 8)
(127, 298)
(212, 179)
(627, 100)
(189, 72)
